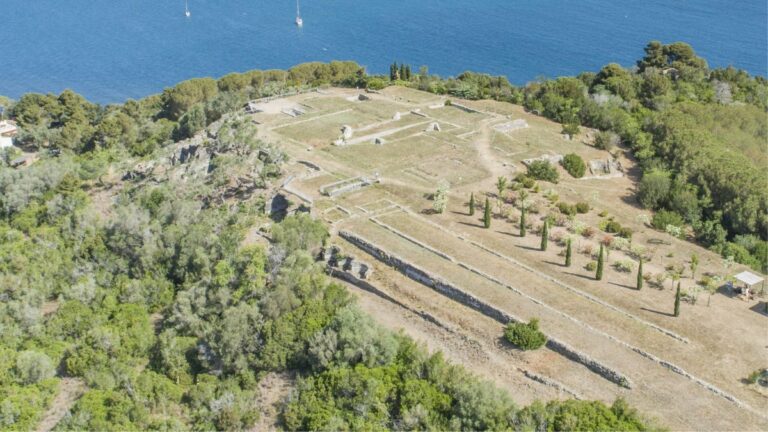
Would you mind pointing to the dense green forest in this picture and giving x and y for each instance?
(154, 300)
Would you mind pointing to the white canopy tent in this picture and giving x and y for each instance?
(749, 280)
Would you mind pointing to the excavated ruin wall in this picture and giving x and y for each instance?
(473, 302)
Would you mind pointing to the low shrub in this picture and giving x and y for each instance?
(566, 209)
(591, 266)
(575, 165)
(760, 375)
(525, 336)
(582, 207)
(613, 227)
(625, 232)
(543, 170)
(610, 226)
(526, 181)
(624, 266)
(663, 218)
(588, 232)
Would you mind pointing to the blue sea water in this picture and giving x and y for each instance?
(111, 50)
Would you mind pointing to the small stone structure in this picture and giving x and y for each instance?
(359, 98)
(346, 185)
(335, 260)
(465, 108)
(396, 117)
(601, 167)
(433, 127)
(379, 141)
(294, 111)
(253, 108)
(512, 126)
(346, 134)
(553, 159)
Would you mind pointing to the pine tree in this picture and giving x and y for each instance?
(522, 222)
(640, 275)
(472, 204)
(544, 235)
(677, 300)
(487, 214)
(568, 253)
(600, 258)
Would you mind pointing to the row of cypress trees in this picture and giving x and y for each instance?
(568, 249)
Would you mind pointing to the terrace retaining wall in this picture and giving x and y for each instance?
(457, 294)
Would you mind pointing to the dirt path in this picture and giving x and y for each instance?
(70, 390)
(484, 151)
(273, 389)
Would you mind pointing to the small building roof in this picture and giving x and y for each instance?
(749, 278)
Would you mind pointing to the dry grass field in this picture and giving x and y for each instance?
(687, 371)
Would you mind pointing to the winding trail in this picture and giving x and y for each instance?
(70, 390)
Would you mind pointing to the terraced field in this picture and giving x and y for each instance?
(450, 283)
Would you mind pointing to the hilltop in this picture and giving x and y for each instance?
(319, 248)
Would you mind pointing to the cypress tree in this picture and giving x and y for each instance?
(568, 253)
(408, 72)
(487, 214)
(677, 300)
(472, 204)
(544, 235)
(522, 222)
(600, 258)
(402, 72)
(640, 275)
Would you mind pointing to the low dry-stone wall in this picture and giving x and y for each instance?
(367, 286)
(469, 300)
(664, 363)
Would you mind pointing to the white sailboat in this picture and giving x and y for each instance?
(299, 21)
(187, 13)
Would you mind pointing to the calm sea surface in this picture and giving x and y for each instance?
(110, 50)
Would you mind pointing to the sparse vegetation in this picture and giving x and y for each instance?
(582, 207)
